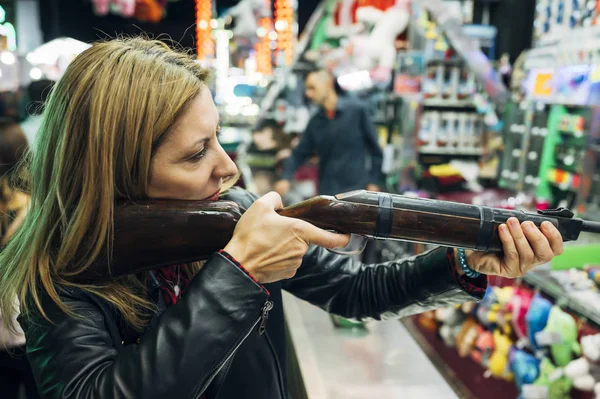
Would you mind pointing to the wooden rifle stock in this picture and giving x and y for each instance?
(156, 233)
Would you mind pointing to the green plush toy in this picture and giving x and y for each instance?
(320, 33)
(552, 377)
(561, 332)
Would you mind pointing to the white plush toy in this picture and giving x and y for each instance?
(452, 320)
(583, 370)
(345, 25)
(578, 371)
(246, 14)
(376, 52)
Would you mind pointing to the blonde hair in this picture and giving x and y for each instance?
(106, 115)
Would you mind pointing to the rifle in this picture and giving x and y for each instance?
(156, 233)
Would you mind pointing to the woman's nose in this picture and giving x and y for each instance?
(226, 167)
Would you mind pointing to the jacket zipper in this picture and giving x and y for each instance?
(262, 320)
(265, 315)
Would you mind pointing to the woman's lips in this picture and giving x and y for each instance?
(214, 197)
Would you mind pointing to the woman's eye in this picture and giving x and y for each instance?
(198, 155)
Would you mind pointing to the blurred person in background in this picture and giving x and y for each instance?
(268, 142)
(14, 368)
(37, 93)
(343, 137)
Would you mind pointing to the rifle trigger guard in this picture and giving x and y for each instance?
(356, 245)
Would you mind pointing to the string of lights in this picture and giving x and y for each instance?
(204, 42)
(264, 55)
(284, 20)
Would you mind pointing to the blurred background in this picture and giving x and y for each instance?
(486, 102)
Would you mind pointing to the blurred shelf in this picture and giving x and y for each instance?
(459, 105)
(585, 303)
(441, 61)
(450, 151)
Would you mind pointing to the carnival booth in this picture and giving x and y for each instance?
(460, 121)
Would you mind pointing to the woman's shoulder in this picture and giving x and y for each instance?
(79, 301)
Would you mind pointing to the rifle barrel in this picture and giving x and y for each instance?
(591, 227)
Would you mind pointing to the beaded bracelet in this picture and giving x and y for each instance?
(464, 266)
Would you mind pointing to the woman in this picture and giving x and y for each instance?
(133, 119)
(14, 369)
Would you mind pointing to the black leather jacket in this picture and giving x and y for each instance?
(215, 340)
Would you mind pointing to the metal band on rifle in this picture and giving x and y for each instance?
(385, 216)
(486, 228)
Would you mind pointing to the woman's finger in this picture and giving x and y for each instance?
(314, 235)
(554, 237)
(272, 199)
(526, 255)
(511, 255)
(539, 243)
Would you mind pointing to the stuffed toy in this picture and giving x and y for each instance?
(525, 367)
(343, 22)
(498, 363)
(559, 386)
(518, 306)
(427, 321)
(537, 318)
(561, 333)
(319, 36)
(246, 14)
(465, 339)
(484, 347)
(590, 346)
(484, 306)
(451, 319)
(468, 307)
(499, 314)
(376, 52)
(585, 371)
(578, 371)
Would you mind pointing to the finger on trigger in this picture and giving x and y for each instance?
(554, 237)
(314, 235)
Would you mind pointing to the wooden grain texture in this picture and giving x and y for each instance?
(158, 233)
(408, 225)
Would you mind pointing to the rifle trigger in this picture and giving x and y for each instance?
(560, 212)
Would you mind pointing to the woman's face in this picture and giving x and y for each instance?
(190, 163)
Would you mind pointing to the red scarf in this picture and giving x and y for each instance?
(173, 283)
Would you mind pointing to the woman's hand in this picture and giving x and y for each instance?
(270, 246)
(525, 246)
